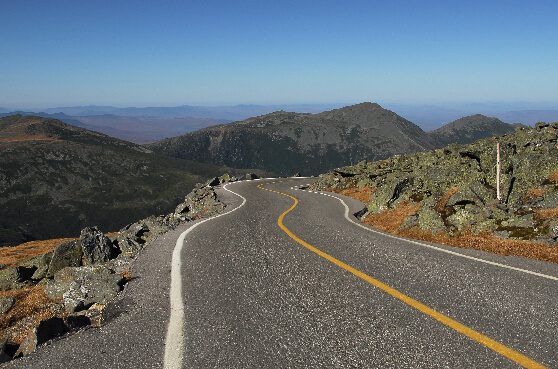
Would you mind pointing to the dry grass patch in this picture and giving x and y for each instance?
(391, 219)
(488, 243)
(442, 201)
(31, 306)
(15, 254)
(546, 214)
(553, 177)
(533, 193)
(127, 275)
(362, 194)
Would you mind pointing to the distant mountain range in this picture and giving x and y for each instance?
(105, 118)
(311, 144)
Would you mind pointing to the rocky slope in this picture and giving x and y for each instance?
(311, 144)
(470, 129)
(67, 288)
(56, 179)
(452, 192)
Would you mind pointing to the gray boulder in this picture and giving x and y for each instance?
(42, 266)
(92, 289)
(97, 248)
(127, 245)
(44, 331)
(251, 176)
(67, 254)
(56, 288)
(6, 304)
(16, 277)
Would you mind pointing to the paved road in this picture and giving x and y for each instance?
(331, 294)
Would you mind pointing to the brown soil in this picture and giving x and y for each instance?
(15, 254)
(553, 177)
(534, 193)
(31, 306)
(391, 219)
(363, 194)
(546, 214)
(442, 201)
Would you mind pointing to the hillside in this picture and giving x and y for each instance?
(140, 130)
(311, 144)
(470, 129)
(450, 195)
(56, 179)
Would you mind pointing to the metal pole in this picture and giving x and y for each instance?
(498, 171)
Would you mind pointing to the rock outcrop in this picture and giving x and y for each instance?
(454, 189)
(81, 276)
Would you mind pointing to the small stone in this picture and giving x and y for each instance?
(6, 304)
(44, 331)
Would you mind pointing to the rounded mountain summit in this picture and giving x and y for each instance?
(285, 142)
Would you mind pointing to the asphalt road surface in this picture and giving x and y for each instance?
(289, 279)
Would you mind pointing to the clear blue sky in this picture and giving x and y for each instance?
(167, 53)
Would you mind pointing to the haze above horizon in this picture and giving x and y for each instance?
(171, 53)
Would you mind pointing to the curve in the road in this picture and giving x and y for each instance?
(477, 336)
(434, 247)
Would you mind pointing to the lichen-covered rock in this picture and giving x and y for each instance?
(43, 266)
(428, 219)
(55, 288)
(67, 254)
(16, 277)
(97, 248)
(457, 186)
(6, 304)
(199, 202)
(90, 289)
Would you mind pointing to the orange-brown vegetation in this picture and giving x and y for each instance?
(442, 201)
(126, 274)
(15, 254)
(391, 220)
(201, 213)
(31, 306)
(40, 137)
(553, 177)
(534, 193)
(546, 214)
(363, 194)
(488, 243)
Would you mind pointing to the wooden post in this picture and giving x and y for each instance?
(498, 171)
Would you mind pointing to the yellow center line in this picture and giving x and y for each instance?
(479, 337)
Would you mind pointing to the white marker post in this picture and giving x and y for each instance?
(498, 171)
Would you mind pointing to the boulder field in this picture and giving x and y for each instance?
(453, 190)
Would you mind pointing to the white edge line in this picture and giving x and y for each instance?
(175, 331)
(438, 248)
